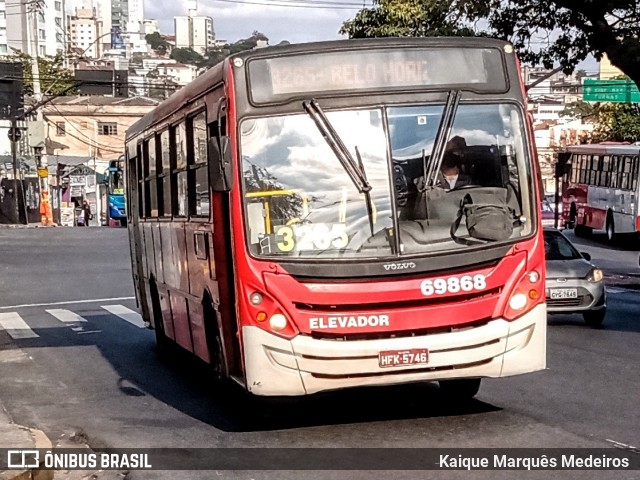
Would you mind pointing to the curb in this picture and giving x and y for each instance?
(40, 441)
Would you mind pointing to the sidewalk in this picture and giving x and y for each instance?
(30, 225)
(17, 437)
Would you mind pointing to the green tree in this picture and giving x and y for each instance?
(579, 109)
(157, 43)
(186, 55)
(543, 31)
(413, 18)
(619, 122)
(55, 79)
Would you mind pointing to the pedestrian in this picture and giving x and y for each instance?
(86, 208)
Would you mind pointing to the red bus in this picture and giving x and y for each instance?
(328, 215)
(600, 189)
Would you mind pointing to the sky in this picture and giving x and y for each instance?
(235, 19)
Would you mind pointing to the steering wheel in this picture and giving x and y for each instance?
(401, 185)
(465, 187)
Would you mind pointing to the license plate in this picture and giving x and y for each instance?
(564, 293)
(394, 358)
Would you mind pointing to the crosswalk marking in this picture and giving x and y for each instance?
(123, 312)
(15, 326)
(66, 316)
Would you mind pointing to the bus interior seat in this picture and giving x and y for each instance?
(484, 165)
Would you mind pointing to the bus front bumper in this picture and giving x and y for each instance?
(304, 365)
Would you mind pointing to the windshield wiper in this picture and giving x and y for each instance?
(354, 170)
(444, 130)
(367, 193)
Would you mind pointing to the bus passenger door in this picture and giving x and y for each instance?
(221, 181)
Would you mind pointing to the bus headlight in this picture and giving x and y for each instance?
(595, 275)
(528, 293)
(518, 301)
(278, 322)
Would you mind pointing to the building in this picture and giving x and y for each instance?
(4, 47)
(194, 31)
(43, 32)
(82, 135)
(124, 19)
(607, 70)
(179, 73)
(150, 26)
(93, 127)
(85, 32)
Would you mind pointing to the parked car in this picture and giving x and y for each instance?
(548, 215)
(574, 284)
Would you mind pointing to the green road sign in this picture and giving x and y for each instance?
(624, 91)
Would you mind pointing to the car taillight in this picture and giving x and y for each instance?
(528, 293)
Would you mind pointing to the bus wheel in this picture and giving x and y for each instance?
(214, 342)
(611, 229)
(460, 389)
(163, 343)
(582, 231)
(573, 217)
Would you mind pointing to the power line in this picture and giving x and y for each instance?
(270, 4)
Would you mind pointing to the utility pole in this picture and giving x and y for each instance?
(46, 216)
(18, 186)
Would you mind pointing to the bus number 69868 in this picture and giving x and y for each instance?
(440, 286)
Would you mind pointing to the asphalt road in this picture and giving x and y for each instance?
(101, 382)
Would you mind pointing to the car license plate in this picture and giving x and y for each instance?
(564, 293)
(394, 358)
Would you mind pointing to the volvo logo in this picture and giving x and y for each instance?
(399, 266)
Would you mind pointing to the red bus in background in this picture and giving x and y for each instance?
(328, 215)
(600, 189)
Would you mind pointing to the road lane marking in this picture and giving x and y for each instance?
(622, 445)
(69, 302)
(125, 313)
(66, 316)
(15, 326)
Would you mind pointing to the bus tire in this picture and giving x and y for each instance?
(163, 343)
(582, 231)
(214, 340)
(460, 388)
(573, 217)
(610, 228)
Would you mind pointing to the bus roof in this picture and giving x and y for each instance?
(605, 149)
(210, 79)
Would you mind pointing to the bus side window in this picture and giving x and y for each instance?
(199, 196)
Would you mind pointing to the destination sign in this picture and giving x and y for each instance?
(275, 79)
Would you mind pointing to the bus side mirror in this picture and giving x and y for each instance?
(220, 166)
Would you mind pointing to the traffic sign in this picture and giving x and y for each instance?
(620, 91)
(14, 134)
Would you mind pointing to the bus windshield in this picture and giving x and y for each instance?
(300, 200)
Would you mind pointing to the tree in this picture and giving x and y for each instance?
(247, 43)
(55, 79)
(614, 122)
(543, 31)
(618, 122)
(410, 18)
(186, 55)
(157, 43)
